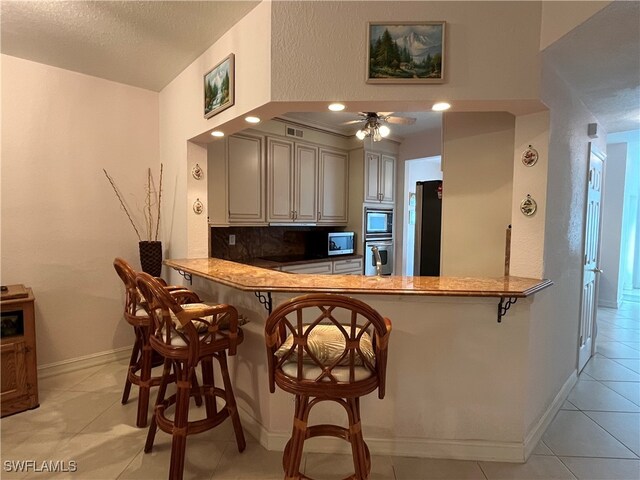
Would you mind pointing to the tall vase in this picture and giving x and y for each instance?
(151, 257)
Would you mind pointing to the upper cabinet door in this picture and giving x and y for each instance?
(245, 180)
(371, 177)
(379, 178)
(280, 180)
(305, 205)
(387, 178)
(334, 189)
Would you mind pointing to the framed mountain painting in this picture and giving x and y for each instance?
(218, 87)
(405, 52)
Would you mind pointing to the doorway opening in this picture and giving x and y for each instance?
(416, 170)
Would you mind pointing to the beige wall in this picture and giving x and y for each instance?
(527, 234)
(553, 336)
(612, 255)
(491, 51)
(182, 119)
(61, 223)
(477, 173)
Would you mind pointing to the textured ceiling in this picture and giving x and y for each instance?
(600, 59)
(145, 44)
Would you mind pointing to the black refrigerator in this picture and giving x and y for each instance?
(426, 259)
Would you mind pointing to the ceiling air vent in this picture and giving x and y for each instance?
(294, 132)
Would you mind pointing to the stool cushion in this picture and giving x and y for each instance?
(327, 344)
(311, 372)
(201, 327)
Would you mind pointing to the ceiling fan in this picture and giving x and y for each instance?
(374, 124)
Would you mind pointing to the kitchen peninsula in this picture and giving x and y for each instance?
(263, 279)
(455, 379)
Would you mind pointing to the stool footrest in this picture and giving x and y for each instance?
(195, 426)
(328, 431)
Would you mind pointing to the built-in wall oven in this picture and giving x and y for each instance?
(385, 251)
(378, 246)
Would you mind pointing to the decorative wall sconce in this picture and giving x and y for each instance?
(530, 156)
(528, 206)
(198, 207)
(197, 172)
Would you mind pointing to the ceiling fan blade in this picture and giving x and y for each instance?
(401, 120)
(385, 114)
(351, 122)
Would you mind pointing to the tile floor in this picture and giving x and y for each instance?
(596, 435)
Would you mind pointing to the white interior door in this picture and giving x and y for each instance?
(590, 270)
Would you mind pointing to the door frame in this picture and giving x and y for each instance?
(592, 151)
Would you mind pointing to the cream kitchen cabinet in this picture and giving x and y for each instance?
(318, 268)
(352, 266)
(292, 182)
(379, 177)
(333, 187)
(245, 165)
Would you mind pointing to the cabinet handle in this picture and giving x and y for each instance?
(319, 216)
(291, 214)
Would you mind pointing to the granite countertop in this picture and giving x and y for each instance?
(254, 278)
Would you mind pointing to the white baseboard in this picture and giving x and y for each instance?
(537, 430)
(402, 447)
(609, 304)
(87, 361)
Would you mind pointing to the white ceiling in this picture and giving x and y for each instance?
(335, 122)
(147, 43)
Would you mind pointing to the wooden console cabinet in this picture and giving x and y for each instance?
(19, 378)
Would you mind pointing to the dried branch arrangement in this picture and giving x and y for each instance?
(153, 198)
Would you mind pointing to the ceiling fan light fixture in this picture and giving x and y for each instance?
(336, 107)
(376, 134)
(361, 134)
(384, 131)
(440, 106)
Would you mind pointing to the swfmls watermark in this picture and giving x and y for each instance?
(48, 466)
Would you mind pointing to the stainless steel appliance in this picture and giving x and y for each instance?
(426, 259)
(385, 251)
(329, 244)
(378, 223)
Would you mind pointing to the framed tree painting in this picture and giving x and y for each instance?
(219, 87)
(405, 52)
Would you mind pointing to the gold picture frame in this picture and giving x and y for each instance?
(219, 87)
(406, 52)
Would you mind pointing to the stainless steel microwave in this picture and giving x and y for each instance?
(328, 244)
(378, 223)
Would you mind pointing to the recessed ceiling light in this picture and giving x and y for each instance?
(440, 107)
(252, 119)
(217, 133)
(336, 107)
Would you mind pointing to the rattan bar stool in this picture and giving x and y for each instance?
(327, 348)
(142, 356)
(188, 335)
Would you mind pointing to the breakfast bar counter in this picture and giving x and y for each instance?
(457, 380)
(253, 278)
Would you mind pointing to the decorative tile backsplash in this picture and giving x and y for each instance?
(256, 242)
